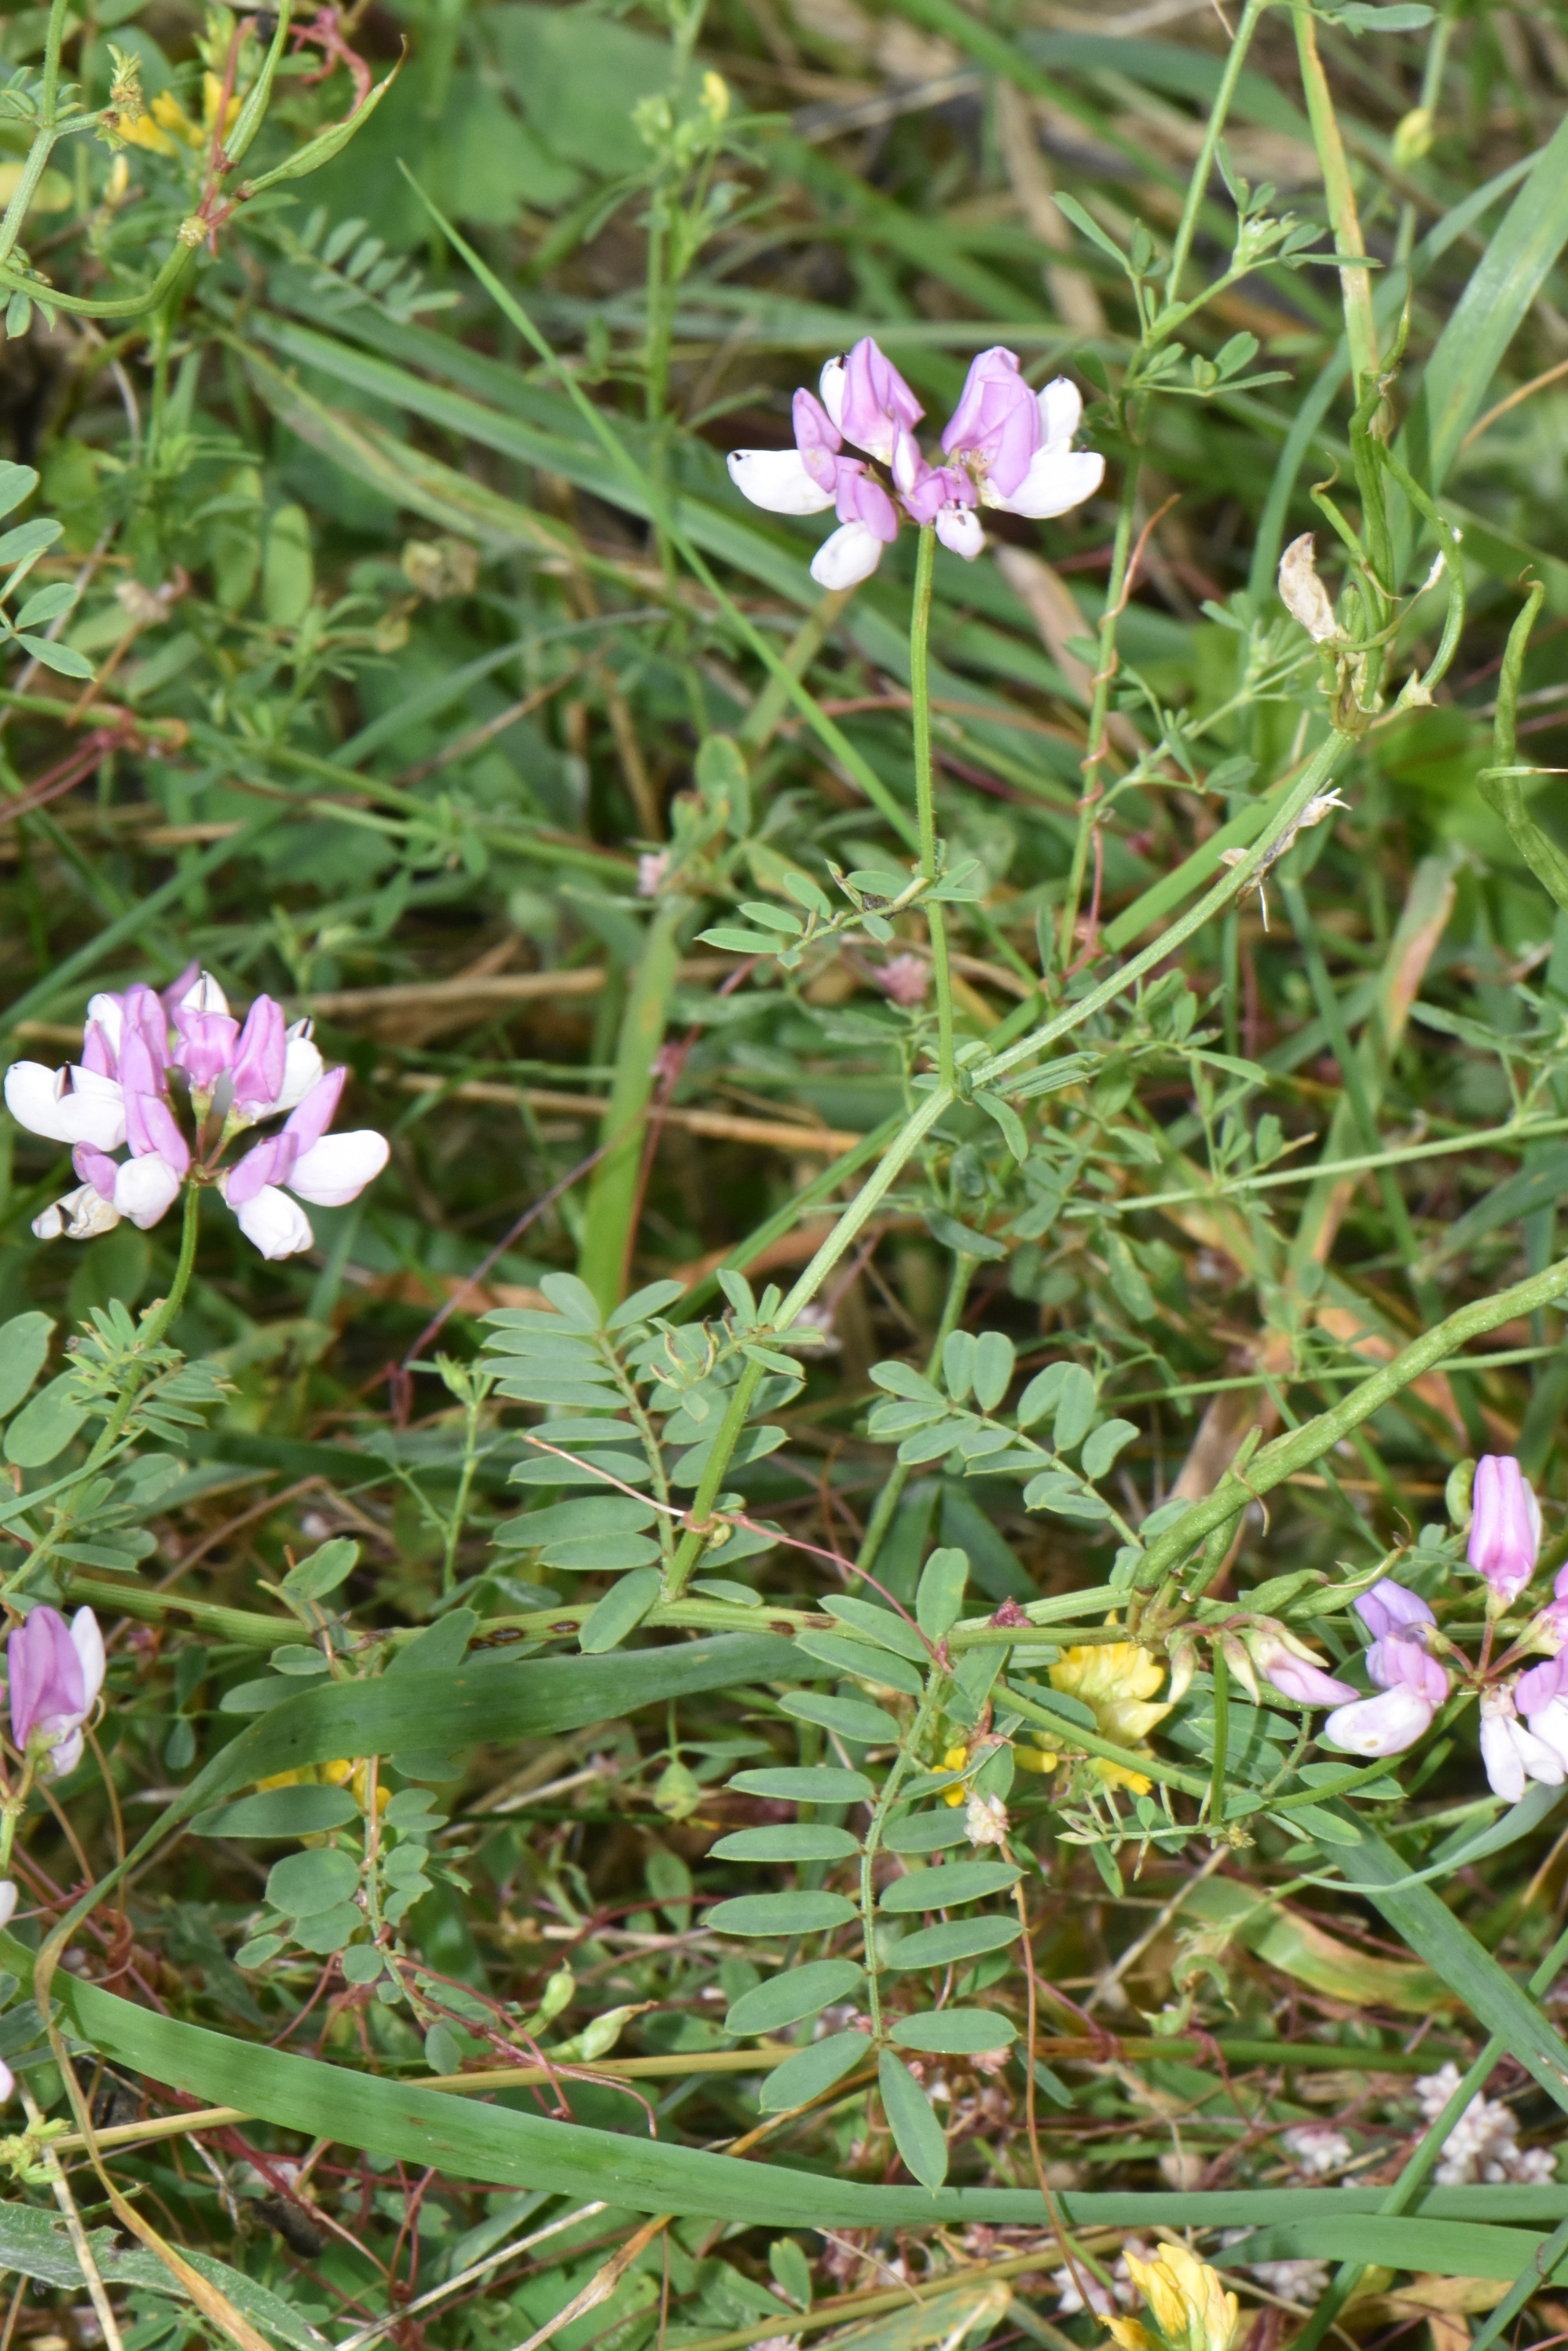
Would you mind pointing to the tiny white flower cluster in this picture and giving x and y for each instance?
(1482, 2148)
(1073, 2284)
(1316, 2149)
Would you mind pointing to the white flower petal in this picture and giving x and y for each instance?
(1060, 412)
(63, 1756)
(778, 479)
(302, 1067)
(336, 1170)
(850, 556)
(7, 1911)
(831, 390)
(80, 1216)
(275, 1224)
(959, 528)
(108, 1013)
(94, 1111)
(86, 1640)
(1550, 1726)
(33, 1097)
(1500, 1754)
(1057, 480)
(206, 996)
(145, 1189)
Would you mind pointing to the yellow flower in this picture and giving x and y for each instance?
(1116, 1680)
(1130, 2333)
(954, 1761)
(1186, 2300)
(167, 120)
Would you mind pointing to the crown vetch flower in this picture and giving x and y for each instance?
(1505, 1528)
(233, 1076)
(1004, 445)
(55, 1672)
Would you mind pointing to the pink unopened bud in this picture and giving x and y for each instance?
(904, 979)
(1505, 1530)
(1298, 1678)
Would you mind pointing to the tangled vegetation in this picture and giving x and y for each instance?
(781, 1334)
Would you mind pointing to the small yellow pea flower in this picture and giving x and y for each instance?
(955, 1760)
(1118, 1680)
(1186, 2300)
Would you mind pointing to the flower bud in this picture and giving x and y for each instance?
(1505, 1528)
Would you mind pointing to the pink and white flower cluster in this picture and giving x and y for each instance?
(141, 1053)
(1004, 446)
(1412, 1681)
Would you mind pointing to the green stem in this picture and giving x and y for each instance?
(613, 1193)
(1100, 709)
(887, 1501)
(1203, 168)
(940, 1100)
(1355, 282)
(924, 794)
(1221, 1738)
(164, 1311)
